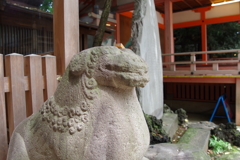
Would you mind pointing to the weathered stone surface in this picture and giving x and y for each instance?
(231, 156)
(170, 123)
(146, 43)
(93, 115)
(203, 125)
(196, 137)
(166, 151)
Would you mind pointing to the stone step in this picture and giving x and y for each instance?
(170, 123)
(180, 151)
(196, 137)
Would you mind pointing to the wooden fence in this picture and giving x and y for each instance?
(25, 83)
(211, 67)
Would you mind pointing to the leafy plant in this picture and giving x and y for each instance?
(47, 6)
(219, 146)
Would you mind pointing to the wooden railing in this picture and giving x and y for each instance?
(25, 83)
(210, 67)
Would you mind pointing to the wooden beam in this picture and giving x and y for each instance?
(199, 2)
(130, 6)
(223, 19)
(125, 7)
(207, 21)
(66, 32)
(187, 4)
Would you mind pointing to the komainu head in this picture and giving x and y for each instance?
(110, 66)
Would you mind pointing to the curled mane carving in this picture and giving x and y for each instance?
(77, 85)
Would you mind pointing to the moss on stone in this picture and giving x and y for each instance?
(188, 136)
(182, 116)
(157, 133)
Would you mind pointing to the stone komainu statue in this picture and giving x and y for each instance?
(93, 115)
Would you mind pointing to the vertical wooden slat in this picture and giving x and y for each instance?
(3, 123)
(24, 41)
(193, 65)
(179, 90)
(28, 41)
(192, 91)
(6, 40)
(215, 67)
(197, 91)
(33, 69)
(43, 39)
(15, 40)
(20, 40)
(228, 92)
(34, 37)
(175, 90)
(11, 40)
(188, 91)
(222, 89)
(50, 78)
(238, 101)
(183, 90)
(212, 91)
(16, 97)
(3, 40)
(173, 67)
(207, 97)
(202, 92)
(234, 93)
(217, 91)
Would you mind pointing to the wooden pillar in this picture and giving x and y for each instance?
(169, 43)
(204, 35)
(66, 32)
(118, 27)
(237, 101)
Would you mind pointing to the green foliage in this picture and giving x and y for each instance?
(219, 146)
(221, 36)
(47, 6)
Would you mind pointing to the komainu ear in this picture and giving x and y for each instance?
(77, 64)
